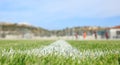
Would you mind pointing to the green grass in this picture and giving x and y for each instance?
(96, 44)
(23, 59)
(23, 44)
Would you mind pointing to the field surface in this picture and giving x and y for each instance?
(51, 52)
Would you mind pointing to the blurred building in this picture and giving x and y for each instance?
(114, 32)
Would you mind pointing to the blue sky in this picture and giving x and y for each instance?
(59, 14)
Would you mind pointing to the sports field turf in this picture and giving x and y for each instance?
(95, 52)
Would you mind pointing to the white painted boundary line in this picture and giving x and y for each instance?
(63, 48)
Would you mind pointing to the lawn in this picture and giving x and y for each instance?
(99, 52)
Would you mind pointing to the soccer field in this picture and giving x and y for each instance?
(51, 52)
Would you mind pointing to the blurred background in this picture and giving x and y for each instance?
(61, 19)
